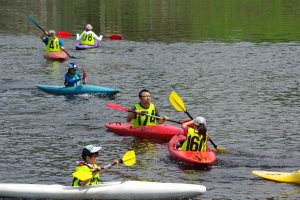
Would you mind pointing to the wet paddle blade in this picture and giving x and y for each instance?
(129, 158)
(63, 34)
(115, 37)
(116, 107)
(84, 74)
(35, 22)
(221, 150)
(177, 102)
(82, 175)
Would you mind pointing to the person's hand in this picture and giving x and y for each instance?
(165, 118)
(137, 111)
(115, 162)
(97, 171)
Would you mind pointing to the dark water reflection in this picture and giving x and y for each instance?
(247, 91)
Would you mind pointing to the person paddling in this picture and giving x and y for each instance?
(145, 106)
(53, 43)
(73, 77)
(196, 138)
(90, 156)
(88, 37)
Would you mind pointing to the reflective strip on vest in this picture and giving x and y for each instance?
(143, 120)
(194, 141)
(52, 45)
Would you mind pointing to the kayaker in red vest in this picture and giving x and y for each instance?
(196, 138)
(88, 37)
(73, 77)
(90, 157)
(145, 106)
(53, 43)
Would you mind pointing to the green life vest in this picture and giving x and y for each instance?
(87, 39)
(52, 45)
(194, 141)
(143, 120)
(73, 77)
(84, 167)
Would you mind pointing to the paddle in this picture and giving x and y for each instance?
(36, 24)
(84, 74)
(118, 107)
(128, 160)
(64, 34)
(178, 104)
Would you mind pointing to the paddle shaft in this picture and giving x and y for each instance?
(35, 23)
(118, 107)
(215, 146)
(75, 35)
(155, 117)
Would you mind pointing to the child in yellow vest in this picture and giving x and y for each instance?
(53, 43)
(88, 37)
(196, 138)
(90, 157)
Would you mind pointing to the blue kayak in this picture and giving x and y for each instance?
(74, 90)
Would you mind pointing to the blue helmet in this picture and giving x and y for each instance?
(72, 65)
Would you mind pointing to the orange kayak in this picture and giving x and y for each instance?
(57, 56)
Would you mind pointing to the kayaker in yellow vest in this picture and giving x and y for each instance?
(145, 106)
(196, 138)
(53, 43)
(90, 157)
(88, 37)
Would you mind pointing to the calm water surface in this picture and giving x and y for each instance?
(247, 91)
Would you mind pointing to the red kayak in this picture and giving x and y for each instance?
(159, 131)
(57, 56)
(199, 158)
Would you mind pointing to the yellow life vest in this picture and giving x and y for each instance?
(52, 45)
(87, 39)
(194, 141)
(83, 167)
(143, 120)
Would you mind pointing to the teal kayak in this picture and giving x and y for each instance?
(75, 90)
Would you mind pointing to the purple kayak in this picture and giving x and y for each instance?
(85, 46)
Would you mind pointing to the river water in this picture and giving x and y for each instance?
(248, 91)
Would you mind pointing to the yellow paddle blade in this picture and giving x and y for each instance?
(129, 158)
(176, 102)
(221, 150)
(82, 175)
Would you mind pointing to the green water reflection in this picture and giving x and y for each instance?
(168, 21)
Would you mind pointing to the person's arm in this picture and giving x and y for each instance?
(160, 121)
(186, 124)
(71, 81)
(96, 37)
(78, 37)
(115, 162)
(43, 36)
(61, 44)
(98, 171)
(132, 114)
